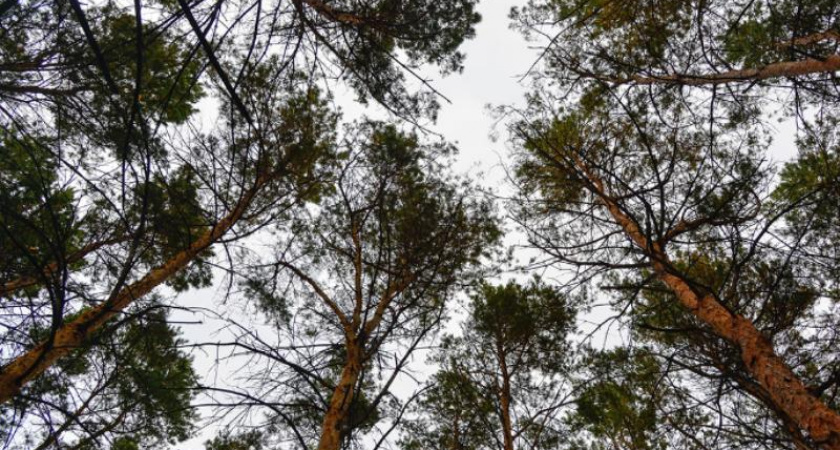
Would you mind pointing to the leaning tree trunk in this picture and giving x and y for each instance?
(342, 397)
(74, 334)
(787, 392)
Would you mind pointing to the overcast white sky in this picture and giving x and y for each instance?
(496, 59)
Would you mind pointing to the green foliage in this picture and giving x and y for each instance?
(619, 39)
(145, 385)
(158, 378)
(515, 332)
(557, 141)
(622, 405)
(125, 444)
(169, 85)
(389, 243)
(167, 92)
(172, 209)
(423, 30)
(38, 223)
(250, 440)
(529, 321)
(453, 414)
(102, 98)
(809, 190)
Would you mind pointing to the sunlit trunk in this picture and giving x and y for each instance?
(505, 397)
(73, 334)
(342, 398)
(785, 389)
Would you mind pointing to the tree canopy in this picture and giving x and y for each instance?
(651, 276)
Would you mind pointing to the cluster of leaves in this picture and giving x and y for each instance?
(131, 387)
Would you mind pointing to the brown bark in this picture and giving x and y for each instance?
(456, 431)
(808, 66)
(71, 335)
(342, 397)
(507, 427)
(504, 393)
(784, 389)
(333, 14)
(790, 426)
(812, 39)
(339, 407)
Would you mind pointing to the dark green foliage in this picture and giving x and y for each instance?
(389, 245)
(38, 222)
(176, 219)
(125, 444)
(631, 149)
(251, 440)
(373, 31)
(138, 382)
(625, 402)
(620, 39)
(108, 175)
(530, 321)
(455, 413)
(810, 191)
(515, 336)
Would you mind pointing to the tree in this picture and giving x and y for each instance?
(130, 386)
(659, 151)
(511, 357)
(99, 92)
(454, 413)
(659, 194)
(359, 284)
(245, 441)
(789, 43)
(630, 400)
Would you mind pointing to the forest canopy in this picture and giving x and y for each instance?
(203, 246)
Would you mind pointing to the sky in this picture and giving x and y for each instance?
(496, 59)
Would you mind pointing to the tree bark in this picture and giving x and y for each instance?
(505, 398)
(71, 335)
(786, 391)
(342, 398)
(808, 66)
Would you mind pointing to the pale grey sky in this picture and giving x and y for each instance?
(496, 59)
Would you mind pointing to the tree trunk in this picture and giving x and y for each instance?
(787, 392)
(71, 335)
(505, 398)
(456, 432)
(785, 389)
(342, 398)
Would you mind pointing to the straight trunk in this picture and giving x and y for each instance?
(507, 428)
(342, 398)
(456, 432)
(787, 392)
(505, 398)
